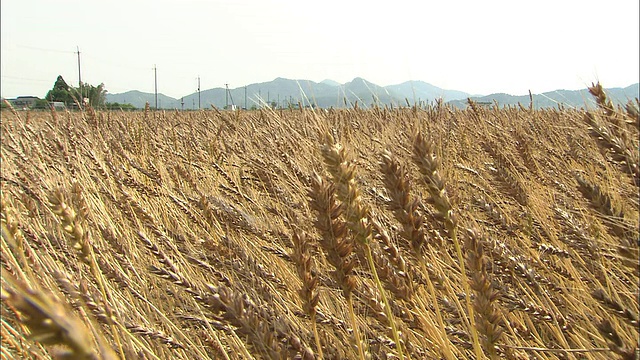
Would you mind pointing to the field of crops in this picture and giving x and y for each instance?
(376, 233)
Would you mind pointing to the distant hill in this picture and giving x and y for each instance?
(284, 92)
(281, 91)
(570, 98)
(139, 99)
(329, 93)
(330, 82)
(419, 91)
(367, 93)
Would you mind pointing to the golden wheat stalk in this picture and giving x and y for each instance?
(356, 214)
(429, 162)
(485, 303)
(308, 293)
(48, 322)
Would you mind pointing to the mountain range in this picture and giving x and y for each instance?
(568, 98)
(329, 93)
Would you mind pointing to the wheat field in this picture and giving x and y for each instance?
(379, 233)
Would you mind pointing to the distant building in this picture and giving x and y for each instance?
(57, 105)
(35, 103)
(24, 102)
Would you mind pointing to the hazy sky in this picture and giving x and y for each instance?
(479, 47)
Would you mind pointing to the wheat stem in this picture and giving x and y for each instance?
(356, 332)
(387, 307)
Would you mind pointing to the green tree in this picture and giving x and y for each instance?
(97, 95)
(60, 92)
(118, 106)
(41, 104)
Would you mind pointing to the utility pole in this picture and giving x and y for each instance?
(79, 77)
(182, 102)
(199, 92)
(246, 107)
(155, 74)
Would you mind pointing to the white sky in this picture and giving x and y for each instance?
(480, 47)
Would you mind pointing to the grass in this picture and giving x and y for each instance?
(340, 234)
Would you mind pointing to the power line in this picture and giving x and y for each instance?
(47, 50)
(23, 79)
(101, 60)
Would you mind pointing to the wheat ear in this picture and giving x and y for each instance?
(335, 243)
(308, 293)
(72, 225)
(485, 303)
(356, 214)
(48, 322)
(428, 161)
(405, 210)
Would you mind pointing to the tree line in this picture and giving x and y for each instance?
(84, 94)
